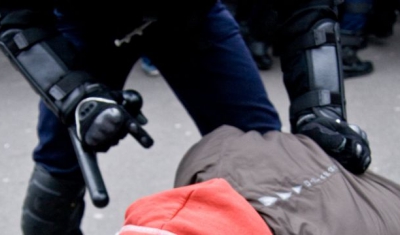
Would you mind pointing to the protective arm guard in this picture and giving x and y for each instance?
(311, 63)
(51, 66)
(324, 81)
(310, 53)
(46, 59)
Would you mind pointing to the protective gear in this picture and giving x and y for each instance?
(105, 117)
(324, 88)
(47, 61)
(52, 205)
(347, 143)
(313, 78)
(51, 66)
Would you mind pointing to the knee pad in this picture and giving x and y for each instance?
(52, 205)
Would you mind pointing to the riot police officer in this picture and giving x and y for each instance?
(60, 51)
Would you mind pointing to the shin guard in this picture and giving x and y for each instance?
(52, 206)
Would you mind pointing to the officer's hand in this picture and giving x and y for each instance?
(348, 144)
(105, 117)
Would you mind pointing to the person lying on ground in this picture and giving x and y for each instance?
(292, 184)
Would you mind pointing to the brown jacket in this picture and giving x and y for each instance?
(293, 184)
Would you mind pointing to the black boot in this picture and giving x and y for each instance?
(258, 49)
(352, 65)
(259, 52)
(52, 206)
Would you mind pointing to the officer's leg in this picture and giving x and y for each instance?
(54, 199)
(353, 19)
(261, 25)
(217, 81)
(52, 205)
(258, 46)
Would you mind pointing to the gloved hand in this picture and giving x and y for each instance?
(347, 143)
(104, 117)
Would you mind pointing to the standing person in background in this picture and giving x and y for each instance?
(354, 16)
(257, 21)
(382, 18)
(359, 20)
(59, 47)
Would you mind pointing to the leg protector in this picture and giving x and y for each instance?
(52, 206)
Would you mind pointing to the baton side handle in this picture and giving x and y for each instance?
(90, 171)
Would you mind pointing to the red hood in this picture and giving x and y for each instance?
(210, 207)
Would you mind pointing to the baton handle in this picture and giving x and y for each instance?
(90, 171)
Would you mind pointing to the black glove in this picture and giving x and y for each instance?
(104, 117)
(347, 143)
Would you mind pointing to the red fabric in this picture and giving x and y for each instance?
(210, 207)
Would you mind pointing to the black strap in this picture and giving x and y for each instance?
(314, 99)
(30, 36)
(312, 39)
(68, 83)
(351, 39)
(26, 38)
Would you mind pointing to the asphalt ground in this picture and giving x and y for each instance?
(130, 172)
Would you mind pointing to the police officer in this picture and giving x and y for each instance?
(60, 51)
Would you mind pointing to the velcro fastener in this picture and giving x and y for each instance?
(312, 39)
(23, 39)
(351, 40)
(68, 83)
(30, 36)
(314, 99)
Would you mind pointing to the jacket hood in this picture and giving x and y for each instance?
(210, 207)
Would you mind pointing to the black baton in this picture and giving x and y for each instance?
(90, 171)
